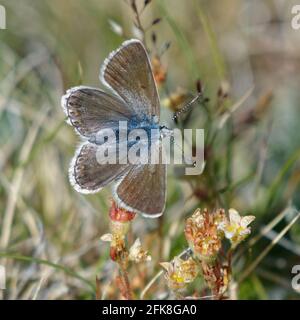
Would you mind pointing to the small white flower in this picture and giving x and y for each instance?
(137, 253)
(179, 272)
(236, 229)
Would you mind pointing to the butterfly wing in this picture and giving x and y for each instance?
(87, 175)
(143, 190)
(128, 72)
(90, 109)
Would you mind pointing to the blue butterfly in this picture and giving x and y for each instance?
(127, 72)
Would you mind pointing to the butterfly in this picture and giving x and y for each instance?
(127, 73)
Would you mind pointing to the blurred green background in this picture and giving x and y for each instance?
(49, 233)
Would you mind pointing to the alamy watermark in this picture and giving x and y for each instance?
(2, 278)
(296, 277)
(295, 22)
(2, 17)
(151, 145)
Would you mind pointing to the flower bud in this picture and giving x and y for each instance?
(203, 235)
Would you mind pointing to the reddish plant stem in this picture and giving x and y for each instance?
(126, 283)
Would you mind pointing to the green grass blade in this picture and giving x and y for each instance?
(182, 41)
(208, 30)
(48, 263)
(277, 183)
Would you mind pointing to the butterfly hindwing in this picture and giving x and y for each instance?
(143, 190)
(87, 175)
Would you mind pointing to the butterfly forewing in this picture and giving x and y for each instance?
(90, 109)
(128, 72)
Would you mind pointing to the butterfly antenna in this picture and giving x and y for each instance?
(187, 106)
